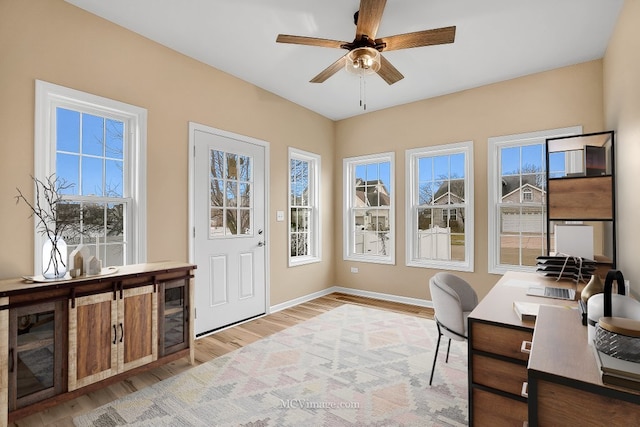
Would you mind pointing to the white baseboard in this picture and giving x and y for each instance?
(300, 300)
(340, 289)
(349, 291)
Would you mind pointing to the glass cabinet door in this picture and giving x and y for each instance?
(36, 353)
(174, 327)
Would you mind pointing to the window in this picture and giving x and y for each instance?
(96, 146)
(517, 198)
(440, 207)
(369, 208)
(304, 208)
(231, 196)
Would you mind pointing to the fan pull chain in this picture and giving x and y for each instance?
(360, 85)
(363, 91)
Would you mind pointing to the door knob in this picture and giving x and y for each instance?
(260, 244)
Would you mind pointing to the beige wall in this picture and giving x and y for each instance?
(622, 112)
(56, 42)
(559, 98)
(53, 41)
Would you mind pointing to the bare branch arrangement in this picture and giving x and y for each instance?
(48, 195)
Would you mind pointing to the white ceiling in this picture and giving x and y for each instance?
(495, 40)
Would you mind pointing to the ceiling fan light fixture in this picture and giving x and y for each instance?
(363, 60)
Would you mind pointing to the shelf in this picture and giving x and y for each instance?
(172, 311)
(581, 187)
(581, 198)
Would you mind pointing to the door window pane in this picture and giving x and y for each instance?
(230, 189)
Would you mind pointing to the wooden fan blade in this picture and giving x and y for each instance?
(388, 72)
(419, 38)
(309, 41)
(330, 70)
(369, 17)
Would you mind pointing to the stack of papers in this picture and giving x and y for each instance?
(526, 310)
(567, 267)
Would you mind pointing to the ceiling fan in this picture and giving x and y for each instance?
(363, 56)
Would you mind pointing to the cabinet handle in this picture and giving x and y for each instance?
(115, 334)
(525, 389)
(11, 362)
(121, 332)
(526, 347)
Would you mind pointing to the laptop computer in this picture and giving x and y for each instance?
(551, 292)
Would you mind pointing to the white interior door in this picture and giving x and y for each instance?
(228, 216)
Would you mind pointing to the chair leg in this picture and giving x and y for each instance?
(435, 355)
(448, 348)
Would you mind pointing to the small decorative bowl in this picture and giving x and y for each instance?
(619, 337)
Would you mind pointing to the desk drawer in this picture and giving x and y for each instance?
(498, 374)
(494, 410)
(577, 407)
(499, 340)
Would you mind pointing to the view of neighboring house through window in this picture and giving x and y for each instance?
(369, 208)
(304, 212)
(517, 198)
(440, 207)
(92, 145)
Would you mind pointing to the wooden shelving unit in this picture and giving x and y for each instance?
(581, 188)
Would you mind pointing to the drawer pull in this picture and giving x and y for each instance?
(525, 389)
(525, 347)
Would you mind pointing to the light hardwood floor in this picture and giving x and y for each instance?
(208, 348)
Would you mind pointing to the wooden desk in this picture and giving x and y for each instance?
(564, 380)
(556, 366)
(497, 363)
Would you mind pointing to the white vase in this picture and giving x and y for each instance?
(54, 259)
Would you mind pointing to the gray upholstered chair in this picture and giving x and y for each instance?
(453, 299)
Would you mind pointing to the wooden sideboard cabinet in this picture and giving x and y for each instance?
(110, 335)
(499, 347)
(61, 339)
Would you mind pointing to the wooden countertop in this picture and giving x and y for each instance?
(19, 285)
(497, 305)
(560, 348)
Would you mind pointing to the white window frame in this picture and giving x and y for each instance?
(315, 243)
(494, 189)
(49, 97)
(348, 173)
(412, 199)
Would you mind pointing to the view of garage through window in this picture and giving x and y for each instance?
(521, 205)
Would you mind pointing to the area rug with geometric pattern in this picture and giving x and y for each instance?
(351, 366)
